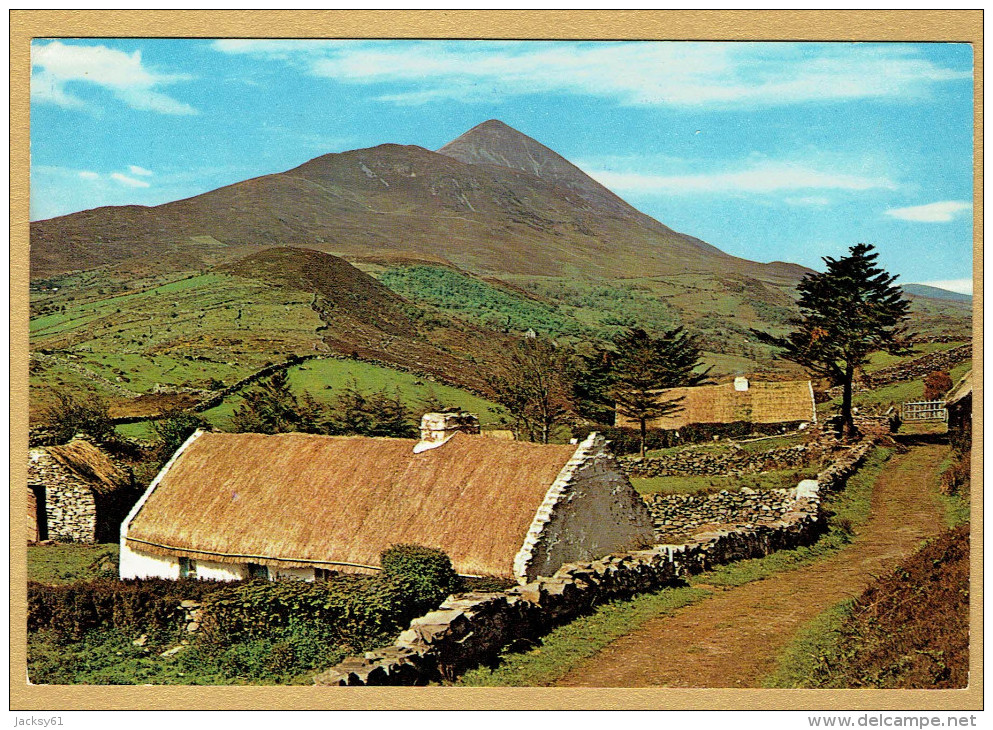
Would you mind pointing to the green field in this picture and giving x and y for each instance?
(324, 378)
(774, 479)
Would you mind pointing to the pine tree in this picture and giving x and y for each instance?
(847, 312)
(642, 365)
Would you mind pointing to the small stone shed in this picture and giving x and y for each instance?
(741, 400)
(78, 493)
(229, 506)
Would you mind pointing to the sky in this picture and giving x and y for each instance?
(769, 151)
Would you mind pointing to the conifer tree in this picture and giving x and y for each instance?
(847, 312)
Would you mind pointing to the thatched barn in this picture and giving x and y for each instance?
(79, 493)
(738, 401)
(230, 506)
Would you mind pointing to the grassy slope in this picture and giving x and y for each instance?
(68, 563)
(323, 378)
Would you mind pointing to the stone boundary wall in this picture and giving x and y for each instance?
(921, 366)
(676, 515)
(731, 462)
(470, 628)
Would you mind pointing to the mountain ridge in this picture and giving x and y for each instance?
(487, 218)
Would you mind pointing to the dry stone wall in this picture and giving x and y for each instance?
(733, 462)
(69, 502)
(471, 628)
(921, 367)
(678, 515)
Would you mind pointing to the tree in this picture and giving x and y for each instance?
(936, 384)
(73, 414)
(174, 429)
(642, 365)
(847, 312)
(270, 408)
(533, 385)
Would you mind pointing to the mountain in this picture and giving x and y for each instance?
(493, 202)
(923, 290)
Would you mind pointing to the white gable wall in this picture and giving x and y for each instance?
(590, 511)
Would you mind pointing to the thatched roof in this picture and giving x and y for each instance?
(90, 464)
(761, 403)
(337, 502)
(962, 389)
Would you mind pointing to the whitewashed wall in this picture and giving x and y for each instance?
(135, 564)
(591, 510)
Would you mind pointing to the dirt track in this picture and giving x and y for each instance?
(733, 638)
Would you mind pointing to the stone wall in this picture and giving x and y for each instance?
(471, 628)
(733, 462)
(677, 515)
(921, 367)
(69, 502)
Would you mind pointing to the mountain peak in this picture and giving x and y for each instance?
(496, 143)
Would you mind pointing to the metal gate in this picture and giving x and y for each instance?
(925, 410)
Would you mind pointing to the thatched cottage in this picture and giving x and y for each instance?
(741, 400)
(78, 493)
(959, 405)
(230, 506)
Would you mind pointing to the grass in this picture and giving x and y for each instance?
(814, 642)
(69, 563)
(752, 446)
(909, 629)
(323, 379)
(880, 360)
(776, 479)
(569, 645)
(111, 658)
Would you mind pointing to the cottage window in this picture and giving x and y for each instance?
(187, 568)
(254, 571)
(323, 574)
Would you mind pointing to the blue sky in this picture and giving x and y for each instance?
(770, 151)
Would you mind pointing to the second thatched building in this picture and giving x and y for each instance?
(230, 506)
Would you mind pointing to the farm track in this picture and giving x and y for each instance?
(734, 638)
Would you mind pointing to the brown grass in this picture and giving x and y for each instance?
(295, 499)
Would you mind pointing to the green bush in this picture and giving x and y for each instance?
(70, 610)
(349, 611)
(426, 572)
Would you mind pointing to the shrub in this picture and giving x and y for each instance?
(73, 414)
(71, 609)
(348, 610)
(426, 572)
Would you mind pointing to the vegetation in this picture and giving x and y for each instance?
(908, 629)
(641, 364)
(427, 572)
(71, 414)
(173, 430)
(937, 384)
(568, 645)
(774, 479)
(71, 562)
(123, 632)
(532, 385)
(846, 313)
(271, 407)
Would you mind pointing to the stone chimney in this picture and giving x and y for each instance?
(437, 428)
(741, 384)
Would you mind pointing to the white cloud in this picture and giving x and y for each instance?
(943, 211)
(89, 175)
(962, 286)
(135, 170)
(808, 200)
(54, 65)
(687, 74)
(129, 181)
(763, 177)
